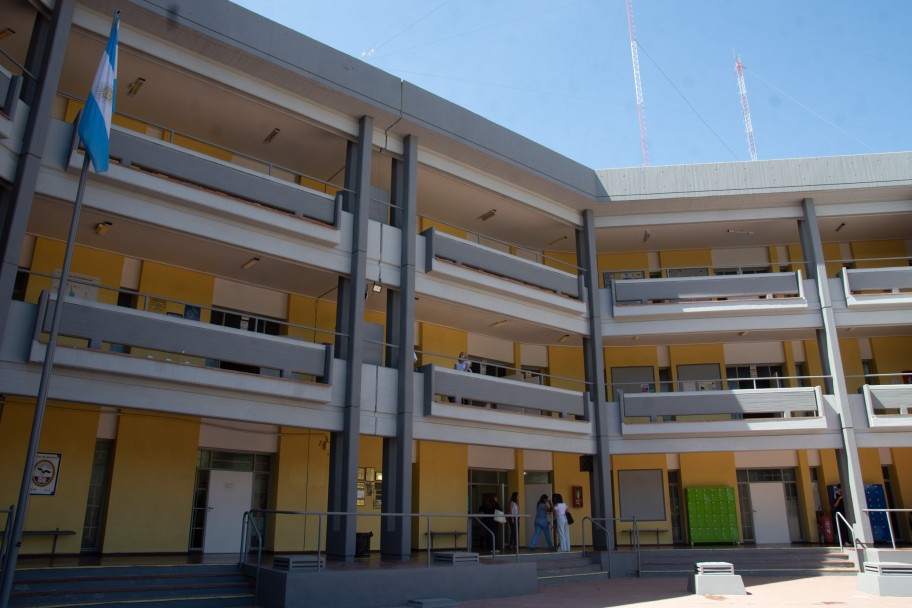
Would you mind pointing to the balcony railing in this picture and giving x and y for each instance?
(715, 410)
(888, 406)
(449, 387)
(182, 340)
(877, 286)
(487, 259)
(693, 294)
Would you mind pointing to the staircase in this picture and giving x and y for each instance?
(799, 561)
(556, 568)
(180, 586)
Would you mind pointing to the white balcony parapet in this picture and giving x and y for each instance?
(741, 410)
(498, 393)
(877, 286)
(719, 294)
(888, 406)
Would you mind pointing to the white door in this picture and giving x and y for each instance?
(770, 515)
(229, 498)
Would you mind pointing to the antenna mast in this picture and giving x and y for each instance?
(641, 115)
(745, 108)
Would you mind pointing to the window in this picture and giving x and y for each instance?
(754, 376)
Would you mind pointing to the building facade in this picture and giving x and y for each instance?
(273, 281)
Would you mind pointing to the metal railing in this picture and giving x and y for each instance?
(890, 521)
(6, 540)
(634, 536)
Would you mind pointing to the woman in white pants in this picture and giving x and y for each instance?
(560, 518)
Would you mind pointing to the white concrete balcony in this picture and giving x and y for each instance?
(709, 412)
(719, 295)
(888, 406)
(877, 287)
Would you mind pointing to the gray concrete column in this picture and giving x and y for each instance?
(831, 359)
(47, 47)
(343, 463)
(395, 539)
(594, 357)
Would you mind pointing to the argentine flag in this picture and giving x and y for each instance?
(95, 125)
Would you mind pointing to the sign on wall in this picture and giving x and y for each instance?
(45, 474)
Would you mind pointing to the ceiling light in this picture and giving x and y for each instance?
(498, 323)
(484, 217)
(742, 333)
(732, 231)
(840, 227)
(376, 287)
(564, 338)
(101, 228)
(272, 135)
(646, 235)
(249, 263)
(134, 87)
(557, 240)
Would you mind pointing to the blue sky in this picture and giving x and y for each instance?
(823, 77)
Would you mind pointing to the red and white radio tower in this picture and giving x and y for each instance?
(745, 109)
(641, 115)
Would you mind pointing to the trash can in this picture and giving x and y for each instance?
(363, 544)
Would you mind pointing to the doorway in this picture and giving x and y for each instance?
(770, 515)
(229, 499)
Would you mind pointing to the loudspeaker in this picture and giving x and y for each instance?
(586, 463)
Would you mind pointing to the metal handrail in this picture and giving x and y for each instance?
(889, 521)
(320, 516)
(634, 536)
(8, 530)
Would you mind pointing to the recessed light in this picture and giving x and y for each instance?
(484, 217)
(249, 263)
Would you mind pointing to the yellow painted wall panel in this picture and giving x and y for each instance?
(871, 472)
(901, 481)
(444, 342)
(851, 365)
(300, 483)
(892, 355)
(561, 260)
(172, 283)
(152, 484)
(69, 430)
(566, 476)
(879, 254)
(635, 462)
(203, 148)
(425, 223)
(440, 485)
(312, 314)
(565, 365)
(105, 268)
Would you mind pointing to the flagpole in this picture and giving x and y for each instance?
(12, 556)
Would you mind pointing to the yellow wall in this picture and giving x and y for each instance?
(901, 481)
(443, 341)
(709, 470)
(851, 365)
(685, 258)
(565, 363)
(300, 483)
(48, 257)
(869, 459)
(69, 430)
(566, 476)
(561, 260)
(892, 355)
(173, 283)
(425, 223)
(635, 462)
(312, 313)
(863, 252)
(152, 483)
(806, 496)
(440, 485)
(608, 262)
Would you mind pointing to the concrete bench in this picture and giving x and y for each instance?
(893, 579)
(298, 563)
(715, 578)
(454, 533)
(56, 533)
(456, 558)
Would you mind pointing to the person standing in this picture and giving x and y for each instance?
(542, 508)
(463, 364)
(513, 521)
(560, 521)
